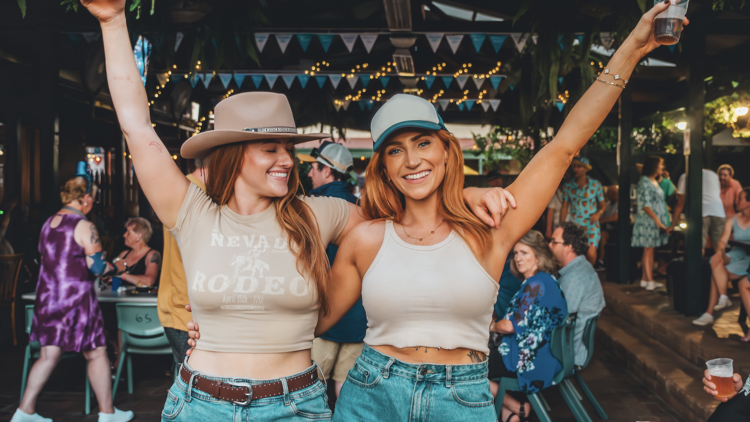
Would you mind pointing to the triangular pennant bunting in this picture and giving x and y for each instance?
(497, 41)
(349, 40)
(336, 105)
(239, 78)
(162, 78)
(384, 80)
(512, 86)
(461, 106)
(271, 79)
(365, 80)
(225, 78)
(321, 80)
(478, 40)
(462, 80)
(178, 39)
(485, 105)
(207, 79)
(260, 40)
(335, 79)
(606, 39)
(559, 80)
(361, 105)
(303, 80)
(304, 40)
(429, 80)
(326, 40)
(447, 81)
(176, 78)
(257, 80)
(579, 38)
(352, 79)
(672, 47)
(535, 38)
(368, 40)
(288, 80)
(434, 39)
(369, 104)
(194, 79)
(559, 41)
(494, 104)
(444, 104)
(469, 104)
(559, 105)
(520, 40)
(346, 104)
(283, 40)
(478, 82)
(495, 80)
(454, 41)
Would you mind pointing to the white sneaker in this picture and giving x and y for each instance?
(652, 285)
(705, 319)
(118, 416)
(644, 283)
(21, 416)
(724, 302)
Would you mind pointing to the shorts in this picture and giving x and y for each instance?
(334, 357)
(712, 227)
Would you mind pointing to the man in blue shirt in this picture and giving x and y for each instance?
(337, 349)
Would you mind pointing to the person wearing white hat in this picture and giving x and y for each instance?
(427, 269)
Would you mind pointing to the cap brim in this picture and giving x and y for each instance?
(200, 145)
(588, 166)
(417, 124)
(306, 158)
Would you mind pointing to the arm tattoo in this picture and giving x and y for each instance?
(155, 258)
(155, 144)
(94, 234)
(476, 357)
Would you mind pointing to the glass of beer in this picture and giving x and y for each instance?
(721, 375)
(668, 24)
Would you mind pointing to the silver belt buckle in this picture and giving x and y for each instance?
(249, 394)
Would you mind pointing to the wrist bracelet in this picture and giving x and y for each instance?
(610, 83)
(616, 76)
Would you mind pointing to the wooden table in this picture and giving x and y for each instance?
(108, 296)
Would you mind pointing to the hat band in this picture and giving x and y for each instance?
(273, 129)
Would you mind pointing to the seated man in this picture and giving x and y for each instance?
(578, 280)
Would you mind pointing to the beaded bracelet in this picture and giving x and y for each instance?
(610, 83)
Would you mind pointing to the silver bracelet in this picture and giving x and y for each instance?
(610, 83)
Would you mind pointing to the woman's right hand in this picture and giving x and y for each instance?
(710, 387)
(105, 10)
(193, 332)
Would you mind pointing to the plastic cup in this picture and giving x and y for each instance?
(721, 371)
(116, 283)
(668, 24)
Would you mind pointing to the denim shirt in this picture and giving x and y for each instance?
(583, 292)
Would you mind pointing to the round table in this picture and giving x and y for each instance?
(108, 296)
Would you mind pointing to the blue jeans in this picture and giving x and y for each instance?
(381, 388)
(190, 404)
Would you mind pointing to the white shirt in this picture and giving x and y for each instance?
(556, 204)
(712, 205)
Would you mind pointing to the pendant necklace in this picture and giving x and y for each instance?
(423, 237)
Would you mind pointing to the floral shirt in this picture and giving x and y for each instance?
(584, 201)
(535, 311)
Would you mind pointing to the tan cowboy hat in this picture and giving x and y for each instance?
(248, 116)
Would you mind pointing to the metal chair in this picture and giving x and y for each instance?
(588, 341)
(32, 352)
(10, 267)
(141, 333)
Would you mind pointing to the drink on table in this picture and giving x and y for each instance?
(668, 24)
(721, 375)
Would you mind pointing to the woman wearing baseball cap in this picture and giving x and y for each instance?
(427, 268)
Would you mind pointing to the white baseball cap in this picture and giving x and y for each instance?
(403, 111)
(331, 154)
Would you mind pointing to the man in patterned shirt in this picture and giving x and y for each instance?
(583, 197)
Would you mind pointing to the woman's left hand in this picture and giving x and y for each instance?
(642, 37)
(193, 332)
(489, 204)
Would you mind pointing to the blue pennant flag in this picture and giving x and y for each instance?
(361, 105)
(326, 40)
(429, 80)
(559, 80)
(207, 79)
(497, 41)
(194, 79)
(176, 78)
(238, 79)
(447, 81)
(478, 40)
(304, 40)
(365, 80)
(370, 103)
(384, 80)
(288, 80)
(559, 41)
(580, 39)
(469, 104)
(303, 80)
(671, 47)
(225, 79)
(512, 86)
(495, 80)
(257, 79)
(559, 105)
(460, 106)
(321, 80)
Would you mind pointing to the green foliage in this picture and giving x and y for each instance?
(22, 6)
(720, 114)
(70, 5)
(733, 4)
(501, 144)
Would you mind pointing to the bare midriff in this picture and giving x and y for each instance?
(262, 366)
(433, 355)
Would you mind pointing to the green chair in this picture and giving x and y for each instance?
(141, 333)
(32, 352)
(588, 341)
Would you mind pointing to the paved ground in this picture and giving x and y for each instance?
(622, 395)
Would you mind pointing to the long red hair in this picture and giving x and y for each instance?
(381, 199)
(294, 216)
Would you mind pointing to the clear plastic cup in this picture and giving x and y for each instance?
(668, 24)
(721, 372)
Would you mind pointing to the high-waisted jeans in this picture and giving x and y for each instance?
(382, 388)
(185, 403)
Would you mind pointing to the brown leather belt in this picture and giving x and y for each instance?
(243, 393)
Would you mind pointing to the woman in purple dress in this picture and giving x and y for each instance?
(67, 317)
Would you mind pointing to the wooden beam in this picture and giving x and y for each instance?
(398, 14)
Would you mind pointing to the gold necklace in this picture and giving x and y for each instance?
(423, 237)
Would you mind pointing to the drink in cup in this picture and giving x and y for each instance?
(721, 375)
(668, 24)
(116, 283)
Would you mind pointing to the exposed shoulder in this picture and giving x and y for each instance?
(154, 257)
(316, 202)
(366, 234)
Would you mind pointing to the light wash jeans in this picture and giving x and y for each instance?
(381, 388)
(190, 404)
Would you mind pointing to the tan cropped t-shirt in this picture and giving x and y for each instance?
(244, 287)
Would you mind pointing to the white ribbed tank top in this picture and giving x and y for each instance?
(434, 296)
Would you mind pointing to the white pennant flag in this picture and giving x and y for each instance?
(283, 40)
(288, 80)
(349, 40)
(260, 39)
(346, 104)
(520, 40)
(454, 41)
(462, 80)
(271, 79)
(535, 38)
(352, 79)
(485, 105)
(335, 79)
(336, 105)
(444, 104)
(434, 39)
(368, 40)
(606, 39)
(478, 82)
(494, 104)
(177, 40)
(162, 78)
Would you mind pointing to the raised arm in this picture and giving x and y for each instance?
(159, 177)
(537, 182)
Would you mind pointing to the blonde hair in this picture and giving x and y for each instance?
(294, 216)
(726, 167)
(381, 199)
(536, 241)
(75, 189)
(141, 226)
